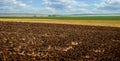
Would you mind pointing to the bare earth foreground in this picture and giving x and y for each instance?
(57, 42)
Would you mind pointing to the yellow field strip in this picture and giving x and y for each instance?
(111, 23)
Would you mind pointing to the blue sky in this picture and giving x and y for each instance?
(60, 6)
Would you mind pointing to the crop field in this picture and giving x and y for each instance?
(111, 23)
(66, 17)
(22, 41)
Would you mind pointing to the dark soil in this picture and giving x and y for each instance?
(58, 42)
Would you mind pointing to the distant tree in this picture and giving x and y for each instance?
(34, 16)
(51, 15)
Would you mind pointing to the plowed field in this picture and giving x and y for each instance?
(58, 42)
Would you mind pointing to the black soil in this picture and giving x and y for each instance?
(58, 42)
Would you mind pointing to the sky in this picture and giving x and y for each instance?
(60, 6)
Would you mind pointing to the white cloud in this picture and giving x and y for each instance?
(17, 6)
(109, 5)
(14, 6)
(64, 5)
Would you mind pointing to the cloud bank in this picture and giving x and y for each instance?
(14, 6)
(63, 4)
(110, 5)
(60, 6)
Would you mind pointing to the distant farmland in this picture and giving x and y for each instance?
(113, 21)
(66, 17)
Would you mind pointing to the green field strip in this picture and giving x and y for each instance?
(69, 18)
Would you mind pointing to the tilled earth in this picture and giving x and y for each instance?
(58, 42)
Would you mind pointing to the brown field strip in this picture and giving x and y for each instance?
(110, 23)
